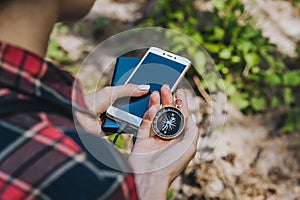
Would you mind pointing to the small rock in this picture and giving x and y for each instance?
(214, 188)
(230, 158)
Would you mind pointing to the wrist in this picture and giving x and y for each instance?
(152, 186)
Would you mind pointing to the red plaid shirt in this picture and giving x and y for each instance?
(41, 155)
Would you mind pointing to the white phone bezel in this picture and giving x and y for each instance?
(134, 120)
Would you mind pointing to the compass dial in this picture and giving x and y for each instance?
(168, 122)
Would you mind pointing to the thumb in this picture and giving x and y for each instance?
(107, 95)
(128, 90)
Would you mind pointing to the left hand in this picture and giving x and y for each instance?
(157, 162)
(99, 101)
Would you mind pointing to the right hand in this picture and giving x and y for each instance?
(98, 102)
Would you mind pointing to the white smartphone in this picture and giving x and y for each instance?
(156, 68)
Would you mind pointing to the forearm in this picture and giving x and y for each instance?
(152, 186)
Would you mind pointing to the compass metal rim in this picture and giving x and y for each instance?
(162, 111)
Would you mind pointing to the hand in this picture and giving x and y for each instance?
(157, 162)
(99, 101)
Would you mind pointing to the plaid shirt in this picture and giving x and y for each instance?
(41, 155)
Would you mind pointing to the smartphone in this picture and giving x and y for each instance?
(156, 68)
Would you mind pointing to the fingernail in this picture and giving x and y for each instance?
(193, 118)
(144, 87)
(166, 85)
(155, 92)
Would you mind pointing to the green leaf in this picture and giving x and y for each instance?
(275, 102)
(291, 78)
(251, 32)
(255, 70)
(292, 120)
(245, 46)
(288, 127)
(252, 59)
(273, 80)
(177, 48)
(235, 59)
(199, 62)
(225, 53)
(179, 15)
(239, 100)
(170, 193)
(64, 29)
(230, 89)
(78, 27)
(235, 32)
(174, 26)
(198, 37)
(221, 66)
(219, 4)
(219, 33)
(260, 41)
(56, 53)
(210, 80)
(288, 95)
(99, 25)
(192, 20)
(212, 48)
(258, 103)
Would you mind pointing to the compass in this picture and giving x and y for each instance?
(168, 122)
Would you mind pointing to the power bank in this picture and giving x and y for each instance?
(123, 68)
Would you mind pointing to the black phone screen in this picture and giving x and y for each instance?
(154, 71)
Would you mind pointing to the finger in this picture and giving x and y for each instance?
(91, 125)
(151, 112)
(128, 90)
(145, 128)
(191, 132)
(166, 95)
(154, 99)
(180, 95)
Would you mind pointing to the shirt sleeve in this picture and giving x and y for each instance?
(45, 162)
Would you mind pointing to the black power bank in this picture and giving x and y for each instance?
(124, 67)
